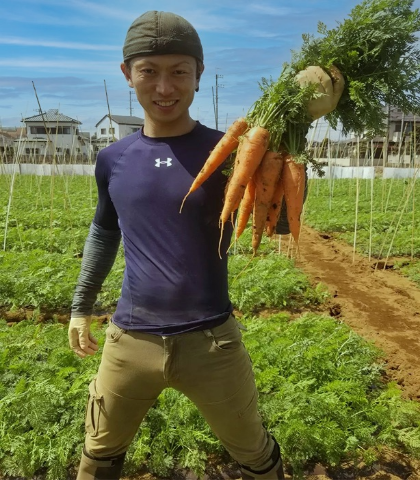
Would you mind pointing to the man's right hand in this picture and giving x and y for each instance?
(82, 342)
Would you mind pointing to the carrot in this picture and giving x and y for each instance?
(293, 180)
(246, 207)
(252, 149)
(219, 154)
(266, 178)
(275, 209)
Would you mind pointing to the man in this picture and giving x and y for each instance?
(173, 325)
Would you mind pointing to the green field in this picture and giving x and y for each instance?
(322, 390)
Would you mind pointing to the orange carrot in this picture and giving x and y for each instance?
(252, 149)
(293, 180)
(275, 209)
(245, 208)
(219, 154)
(266, 178)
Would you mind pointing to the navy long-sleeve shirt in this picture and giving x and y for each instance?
(174, 280)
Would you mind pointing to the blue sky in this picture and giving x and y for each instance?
(69, 48)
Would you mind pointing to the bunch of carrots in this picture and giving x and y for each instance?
(259, 181)
(373, 60)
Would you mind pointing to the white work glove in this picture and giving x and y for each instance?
(82, 342)
(331, 86)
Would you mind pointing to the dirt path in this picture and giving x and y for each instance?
(378, 304)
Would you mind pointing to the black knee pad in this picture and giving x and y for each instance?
(105, 468)
(275, 470)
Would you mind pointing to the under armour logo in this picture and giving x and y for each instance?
(167, 162)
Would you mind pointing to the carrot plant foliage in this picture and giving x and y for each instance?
(321, 387)
(377, 51)
(321, 394)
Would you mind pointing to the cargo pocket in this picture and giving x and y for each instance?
(113, 333)
(93, 410)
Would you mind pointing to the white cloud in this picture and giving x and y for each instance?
(107, 67)
(36, 18)
(54, 44)
(100, 9)
(272, 10)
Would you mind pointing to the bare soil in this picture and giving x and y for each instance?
(379, 304)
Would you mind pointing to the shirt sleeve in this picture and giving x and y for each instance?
(99, 254)
(101, 245)
(106, 215)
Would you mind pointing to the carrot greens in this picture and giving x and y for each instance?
(375, 49)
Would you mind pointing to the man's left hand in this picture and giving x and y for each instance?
(330, 85)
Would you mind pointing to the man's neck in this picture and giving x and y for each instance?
(150, 129)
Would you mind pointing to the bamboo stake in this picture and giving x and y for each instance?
(357, 202)
(400, 209)
(16, 156)
(412, 224)
(409, 190)
(372, 153)
(414, 150)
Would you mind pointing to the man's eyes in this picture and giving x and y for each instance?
(151, 71)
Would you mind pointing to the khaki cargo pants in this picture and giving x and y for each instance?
(211, 367)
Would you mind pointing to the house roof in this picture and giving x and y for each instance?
(5, 135)
(85, 135)
(124, 120)
(51, 115)
(13, 132)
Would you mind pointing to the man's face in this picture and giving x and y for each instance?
(164, 85)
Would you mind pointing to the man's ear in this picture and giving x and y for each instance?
(200, 70)
(127, 74)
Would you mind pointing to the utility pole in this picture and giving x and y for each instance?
(111, 129)
(131, 103)
(216, 100)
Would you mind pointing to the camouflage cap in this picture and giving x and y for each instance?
(161, 33)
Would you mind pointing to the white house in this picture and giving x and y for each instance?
(51, 135)
(110, 129)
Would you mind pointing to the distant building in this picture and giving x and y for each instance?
(7, 137)
(109, 130)
(400, 146)
(6, 147)
(402, 125)
(53, 136)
